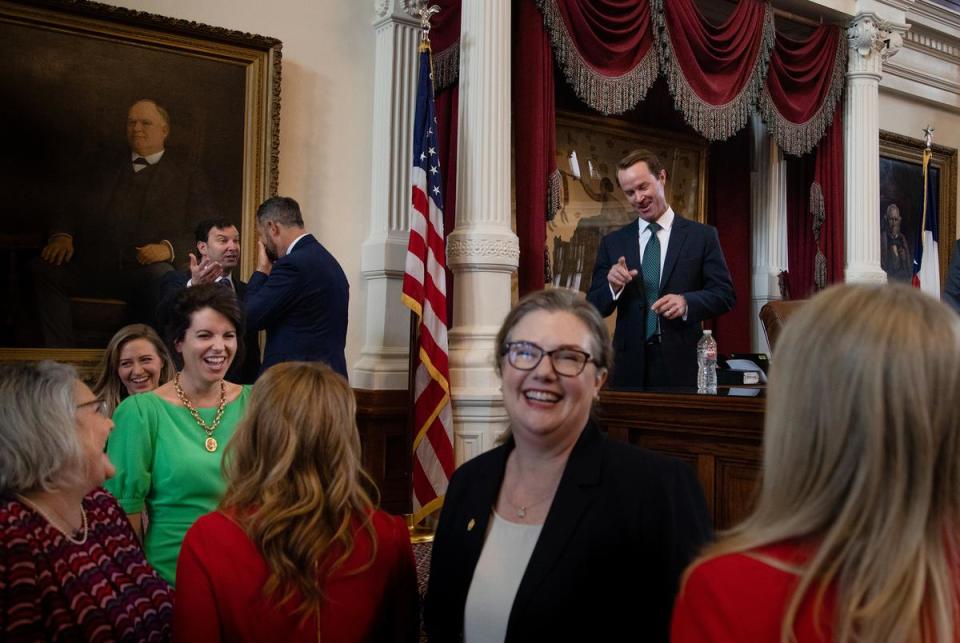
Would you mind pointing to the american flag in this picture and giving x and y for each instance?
(425, 293)
(926, 254)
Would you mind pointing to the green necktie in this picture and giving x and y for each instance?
(650, 267)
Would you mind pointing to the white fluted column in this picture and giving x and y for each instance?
(871, 40)
(768, 184)
(482, 250)
(383, 360)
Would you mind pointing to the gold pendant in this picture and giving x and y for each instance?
(211, 444)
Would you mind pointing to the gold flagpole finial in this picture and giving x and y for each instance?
(928, 136)
(426, 11)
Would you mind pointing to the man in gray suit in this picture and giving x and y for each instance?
(131, 223)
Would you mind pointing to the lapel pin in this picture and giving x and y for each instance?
(471, 524)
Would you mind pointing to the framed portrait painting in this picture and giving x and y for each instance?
(123, 130)
(901, 202)
(592, 204)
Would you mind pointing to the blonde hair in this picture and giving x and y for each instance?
(862, 461)
(108, 386)
(295, 483)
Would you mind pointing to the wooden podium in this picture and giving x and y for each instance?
(720, 436)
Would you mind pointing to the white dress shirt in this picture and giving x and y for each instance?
(663, 235)
(151, 159)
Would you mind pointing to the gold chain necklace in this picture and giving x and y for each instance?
(210, 443)
(53, 523)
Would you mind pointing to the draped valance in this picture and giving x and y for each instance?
(445, 43)
(611, 51)
(605, 48)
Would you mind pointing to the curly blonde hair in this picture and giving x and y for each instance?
(295, 483)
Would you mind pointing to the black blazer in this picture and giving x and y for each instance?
(240, 372)
(623, 525)
(302, 305)
(694, 267)
(107, 230)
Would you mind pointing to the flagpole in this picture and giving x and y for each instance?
(424, 292)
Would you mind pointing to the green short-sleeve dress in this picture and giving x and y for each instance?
(164, 468)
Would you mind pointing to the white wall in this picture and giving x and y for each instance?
(325, 115)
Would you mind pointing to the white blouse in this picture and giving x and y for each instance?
(502, 563)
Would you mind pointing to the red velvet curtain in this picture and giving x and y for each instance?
(729, 207)
(447, 103)
(605, 48)
(534, 127)
(715, 72)
(828, 172)
(803, 87)
(801, 248)
(825, 167)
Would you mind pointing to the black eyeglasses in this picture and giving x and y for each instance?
(526, 356)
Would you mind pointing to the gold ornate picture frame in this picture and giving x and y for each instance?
(901, 183)
(71, 71)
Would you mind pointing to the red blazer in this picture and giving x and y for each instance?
(221, 575)
(737, 597)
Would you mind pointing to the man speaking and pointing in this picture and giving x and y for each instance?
(664, 275)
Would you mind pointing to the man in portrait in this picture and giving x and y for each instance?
(217, 261)
(895, 256)
(129, 223)
(664, 275)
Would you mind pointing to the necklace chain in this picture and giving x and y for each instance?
(83, 520)
(522, 509)
(210, 443)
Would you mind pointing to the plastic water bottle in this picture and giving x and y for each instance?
(707, 364)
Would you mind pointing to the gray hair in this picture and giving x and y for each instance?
(39, 447)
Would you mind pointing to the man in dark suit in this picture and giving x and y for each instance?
(298, 293)
(951, 294)
(664, 275)
(131, 223)
(218, 246)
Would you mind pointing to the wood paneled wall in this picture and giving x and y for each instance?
(719, 436)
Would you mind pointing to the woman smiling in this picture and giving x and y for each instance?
(70, 566)
(168, 443)
(560, 534)
(135, 361)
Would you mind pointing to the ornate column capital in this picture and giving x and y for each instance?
(482, 251)
(404, 11)
(872, 40)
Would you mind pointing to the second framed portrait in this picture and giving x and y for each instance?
(901, 202)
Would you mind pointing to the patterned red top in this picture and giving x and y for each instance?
(55, 590)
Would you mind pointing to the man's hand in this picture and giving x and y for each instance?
(153, 253)
(58, 251)
(670, 306)
(619, 275)
(205, 272)
(264, 264)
